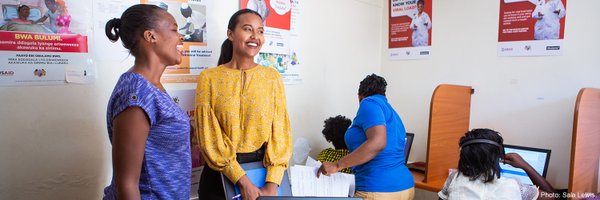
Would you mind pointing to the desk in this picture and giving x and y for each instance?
(434, 186)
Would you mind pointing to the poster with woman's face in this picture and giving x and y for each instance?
(49, 36)
(410, 27)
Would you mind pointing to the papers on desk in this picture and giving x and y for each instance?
(304, 182)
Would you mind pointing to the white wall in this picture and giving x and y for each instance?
(341, 47)
(530, 100)
(53, 139)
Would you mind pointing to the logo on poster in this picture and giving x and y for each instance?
(39, 72)
(7, 73)
(527, 47)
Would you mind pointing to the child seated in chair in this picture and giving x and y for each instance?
(334, 131)
(478, 175)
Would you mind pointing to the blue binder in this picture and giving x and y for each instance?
(257, 174)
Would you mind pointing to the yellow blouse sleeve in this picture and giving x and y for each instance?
(217, 148)
(279, 147)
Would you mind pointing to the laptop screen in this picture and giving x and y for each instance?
(537, 158)
(407, 145)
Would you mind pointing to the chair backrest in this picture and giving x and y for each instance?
(408, 145)
(448, 120)
(585, 145)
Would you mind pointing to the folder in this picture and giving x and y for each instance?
(257, 173)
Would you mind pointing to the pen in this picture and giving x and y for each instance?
(236, 196)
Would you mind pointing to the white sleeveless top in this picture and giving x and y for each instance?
(461, 187)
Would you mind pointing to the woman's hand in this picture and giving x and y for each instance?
(376, 141)
(515, 160)
(270, 189)
(248, 190)
(328, 168)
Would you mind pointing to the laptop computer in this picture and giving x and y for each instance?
(407, 145)
(257, 173)
(537, 158)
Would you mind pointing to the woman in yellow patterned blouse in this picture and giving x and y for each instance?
(241, 114)
(334, 130)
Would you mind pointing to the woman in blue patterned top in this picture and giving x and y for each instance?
(148, 131)
(376, 143)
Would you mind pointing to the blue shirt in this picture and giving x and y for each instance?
(166, 167)
(386, 172)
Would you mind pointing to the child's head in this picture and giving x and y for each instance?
(480, 153)
(335, 129)
(51, 5)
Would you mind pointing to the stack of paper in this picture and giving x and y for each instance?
(304, 182)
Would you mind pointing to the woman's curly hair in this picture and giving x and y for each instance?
(372, 85)
(335, 129)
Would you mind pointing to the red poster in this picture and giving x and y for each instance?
(531, 27)
(40, 42)
(275, 13)
(45, 42)
(277, 16)
(410, 28)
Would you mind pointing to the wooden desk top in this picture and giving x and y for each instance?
(434, 186)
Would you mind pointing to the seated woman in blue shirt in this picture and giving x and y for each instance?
(376, 142)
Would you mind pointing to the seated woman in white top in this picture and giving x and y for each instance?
(478, 175)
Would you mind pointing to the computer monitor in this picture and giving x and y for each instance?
(537, 158)
(407, 145)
